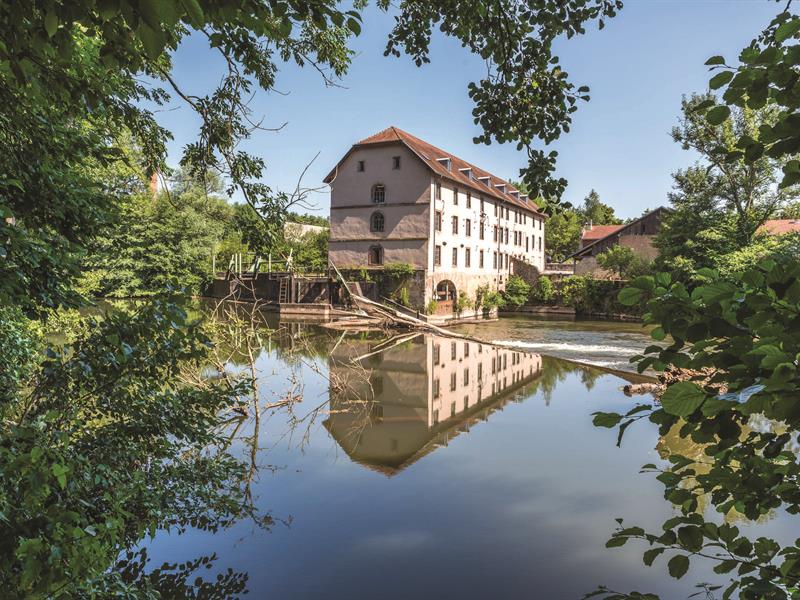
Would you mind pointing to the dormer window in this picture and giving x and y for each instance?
(514, 193)
(501, 187)
(524, 198)
(466, 172)
(445, 162)
(487, 181)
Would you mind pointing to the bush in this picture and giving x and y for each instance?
(22, 341)
(517, 291)
(402, 296)
(493, 299)
(431, 306)
(623, 262)
(463, 302)
(398, 270)
(544, 292)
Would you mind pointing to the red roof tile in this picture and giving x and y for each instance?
(780, 226)
(598, 232)
(429, 154)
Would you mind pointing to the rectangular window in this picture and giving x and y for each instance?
(466, 349)
(437, 255)
(480, 259)
(506, 235)
(467, 257)
(453, 381)
(495, 233)
(527, 243)
(468, 228)
(494, 367)
(395, 162)
(454, 221)
(452, 409)
(480, 231)
(466, 377)
(469, 200)
(455, 196)
(436, 353)
(540, 243)
(452, 350)
(494, 262)
(507, 217)
(436, 390)
(495, 210)
(435, 417)
(437, 220)
(505, 362)
(455, 257)
(482, 205)
(437, 193)
(360, 167)
(540, 224)
(480, 370)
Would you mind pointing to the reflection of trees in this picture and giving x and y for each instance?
(179, 581)
(555, 370)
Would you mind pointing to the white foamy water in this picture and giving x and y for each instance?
(560, 347)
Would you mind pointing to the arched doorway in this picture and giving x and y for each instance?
(445, 296)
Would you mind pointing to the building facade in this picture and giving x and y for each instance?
(398, 199)
(638, 235)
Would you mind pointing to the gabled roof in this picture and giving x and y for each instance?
(620, 231)
(780, 226)
(597, 232)
(458, 172)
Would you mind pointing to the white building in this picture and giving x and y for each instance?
(398, 199)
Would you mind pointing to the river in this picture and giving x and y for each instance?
(423, 467)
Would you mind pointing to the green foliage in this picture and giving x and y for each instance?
(155, 240)
(623, 262)
(562, 234)
(765, 77)
(762, 247)
(398, 270)
(517, 291)
(738, 338)
(543, 292)
(463, 302)
(108, 457)
(431, 306)
(22, 342)
(594, 211)
(494, 299)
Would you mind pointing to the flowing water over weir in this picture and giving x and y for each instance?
(428, 467)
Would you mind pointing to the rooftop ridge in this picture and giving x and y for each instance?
(430, 155)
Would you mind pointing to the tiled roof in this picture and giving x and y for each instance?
(599, 231)
(430, 155)
(780, 226)
(617, 230)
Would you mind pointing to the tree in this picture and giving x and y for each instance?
(746, 189)
(622, 261)
(563, 234)
(517, 291)
(596, 212)
(699, 229)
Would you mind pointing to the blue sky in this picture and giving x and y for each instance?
(638, 68)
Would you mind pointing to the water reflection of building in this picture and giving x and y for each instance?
(390, 407)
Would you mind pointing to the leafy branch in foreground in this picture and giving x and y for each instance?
(737, 343)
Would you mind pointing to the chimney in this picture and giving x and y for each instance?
(154, 184)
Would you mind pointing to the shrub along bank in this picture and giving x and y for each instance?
(587, 295)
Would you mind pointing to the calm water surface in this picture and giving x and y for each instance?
(431, 468)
